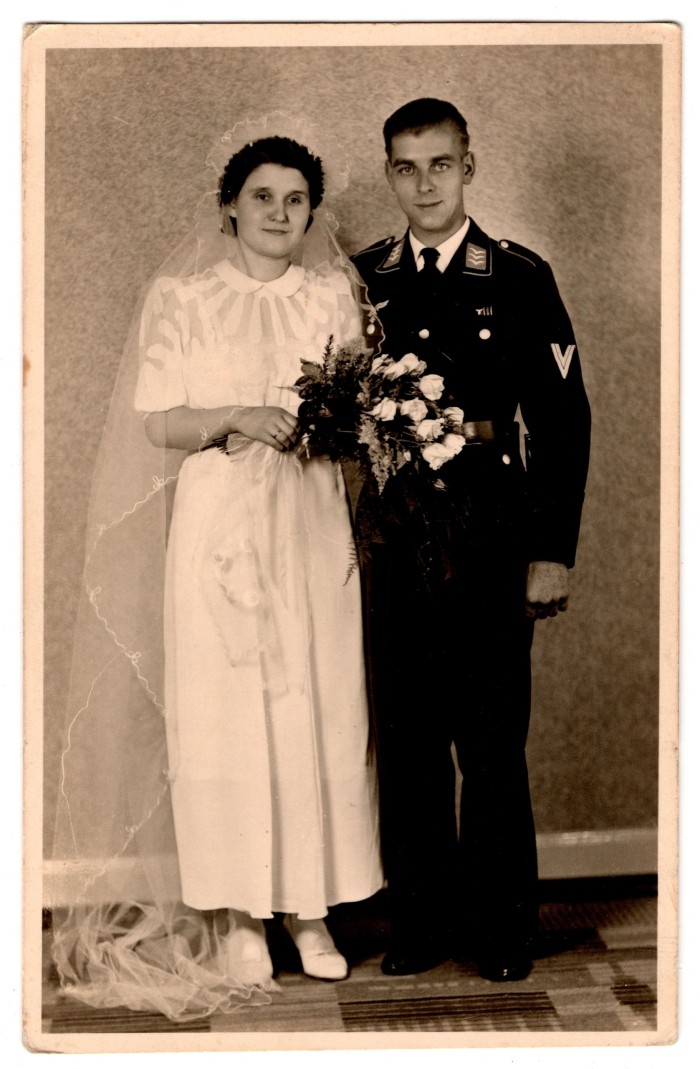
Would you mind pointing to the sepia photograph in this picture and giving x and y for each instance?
(351, 483)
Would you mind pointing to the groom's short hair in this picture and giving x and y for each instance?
(418, 115)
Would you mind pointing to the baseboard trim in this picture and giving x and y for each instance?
(611, 852)
(562, 855)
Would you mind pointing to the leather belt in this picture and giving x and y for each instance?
(479, 431)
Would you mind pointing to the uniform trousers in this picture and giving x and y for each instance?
(450, 665)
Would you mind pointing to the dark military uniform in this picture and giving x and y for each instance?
(450, 659)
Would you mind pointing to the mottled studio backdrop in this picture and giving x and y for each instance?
(568, 162)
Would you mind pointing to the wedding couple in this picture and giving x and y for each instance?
(264, 670)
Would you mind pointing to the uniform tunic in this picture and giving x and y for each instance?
(494, 326)
(273, 796)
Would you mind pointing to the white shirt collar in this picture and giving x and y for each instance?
(446, 250)
(286, 285)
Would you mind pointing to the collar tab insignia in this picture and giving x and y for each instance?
(392, 260)
(476, 257)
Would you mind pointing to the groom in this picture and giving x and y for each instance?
(449, 649)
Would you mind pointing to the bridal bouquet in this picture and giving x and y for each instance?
(382, 413)
(385, 416)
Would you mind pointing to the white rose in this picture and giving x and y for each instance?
(393, 370)
(378, 363)
(435, 454)
(454, 416)
(453, 443)
(412, 364)
(415, 409)
(407, 365)
(384, 409)
(430, 429)
(431, 386)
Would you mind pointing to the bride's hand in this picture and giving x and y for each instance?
(273, 426)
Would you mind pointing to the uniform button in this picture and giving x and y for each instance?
(371, 328)
(484, 334)
(505, 458)
(503, 244)
(424, 333)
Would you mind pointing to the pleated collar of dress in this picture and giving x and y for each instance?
(285, 286)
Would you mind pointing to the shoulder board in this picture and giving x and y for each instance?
(519, 250)
(383, 244)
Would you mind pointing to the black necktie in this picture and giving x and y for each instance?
(430, 273)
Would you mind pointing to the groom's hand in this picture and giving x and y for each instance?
(547, 590)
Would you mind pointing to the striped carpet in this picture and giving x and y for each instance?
(595, 971)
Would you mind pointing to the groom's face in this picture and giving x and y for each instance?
(428, 171)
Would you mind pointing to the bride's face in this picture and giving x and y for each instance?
(271, 211)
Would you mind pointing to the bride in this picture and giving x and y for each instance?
(216, 768)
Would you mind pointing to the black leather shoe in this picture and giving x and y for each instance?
(408, 962)
(503, 968)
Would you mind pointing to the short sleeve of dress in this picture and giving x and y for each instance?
(160, 383)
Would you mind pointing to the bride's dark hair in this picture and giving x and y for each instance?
(280, 150)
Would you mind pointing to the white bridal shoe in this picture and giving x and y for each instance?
(319, 957)
(247, 956)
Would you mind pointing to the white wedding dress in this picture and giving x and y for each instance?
(273, 791)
